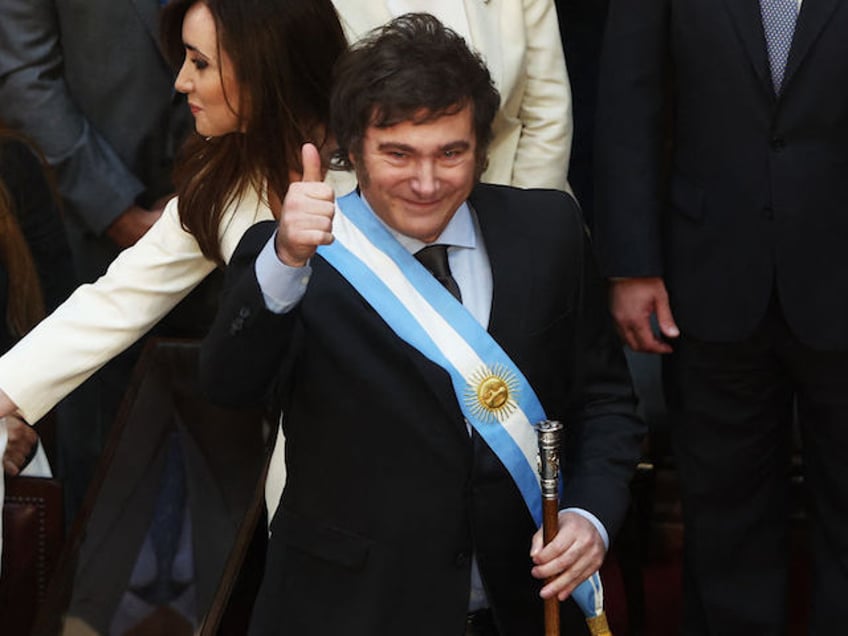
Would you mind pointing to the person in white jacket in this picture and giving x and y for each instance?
(230, 177)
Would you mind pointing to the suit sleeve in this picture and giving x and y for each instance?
(631, 121)
(544, 146)
(241, 356)
(34, 99)
(603, 433)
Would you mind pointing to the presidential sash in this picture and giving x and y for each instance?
(493, 394)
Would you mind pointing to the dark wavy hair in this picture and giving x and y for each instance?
(283, 52)
(412, 69)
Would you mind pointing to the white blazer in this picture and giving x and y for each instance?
(101, 319)
(520, 42)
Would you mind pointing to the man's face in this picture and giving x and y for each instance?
(415, 176)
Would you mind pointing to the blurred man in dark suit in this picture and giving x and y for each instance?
(722, 212)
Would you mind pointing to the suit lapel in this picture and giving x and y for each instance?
(748, 23)
(811, 20)
(509, 251)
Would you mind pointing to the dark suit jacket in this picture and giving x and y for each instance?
(581, 27)
(386, 494)
(87, 81)
(708, 179)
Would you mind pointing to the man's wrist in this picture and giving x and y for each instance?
(282, 285)
(602, 531)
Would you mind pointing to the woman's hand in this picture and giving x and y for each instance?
(21, 445)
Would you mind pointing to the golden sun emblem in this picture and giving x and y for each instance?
(490, 393)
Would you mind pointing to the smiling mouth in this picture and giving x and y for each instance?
(422, 204)
(194, 109)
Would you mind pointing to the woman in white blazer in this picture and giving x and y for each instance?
(195, 232)
(520, 42)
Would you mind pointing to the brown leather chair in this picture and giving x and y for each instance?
(32, 539)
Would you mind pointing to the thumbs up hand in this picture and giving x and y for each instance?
(306, 220)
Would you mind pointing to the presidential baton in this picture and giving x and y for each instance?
(549, 440)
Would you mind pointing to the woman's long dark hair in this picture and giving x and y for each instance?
(283, 52)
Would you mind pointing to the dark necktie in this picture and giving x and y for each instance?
(435, 259)
(779, 17)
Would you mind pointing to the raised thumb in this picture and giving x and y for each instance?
(311, 163)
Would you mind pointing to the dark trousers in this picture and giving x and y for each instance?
(732, 408)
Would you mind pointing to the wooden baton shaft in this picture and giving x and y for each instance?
(550, 526)
(549, 432)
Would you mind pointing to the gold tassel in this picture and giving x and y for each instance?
(598, 625)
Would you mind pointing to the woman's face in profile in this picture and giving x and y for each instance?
(207, 77)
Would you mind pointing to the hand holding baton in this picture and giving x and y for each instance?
(549, 433)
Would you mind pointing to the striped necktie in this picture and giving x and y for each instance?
(779, 17)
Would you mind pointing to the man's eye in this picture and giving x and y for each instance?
(395, 154)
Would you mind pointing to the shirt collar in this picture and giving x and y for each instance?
(459, 231)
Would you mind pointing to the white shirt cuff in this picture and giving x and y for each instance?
(594, 521)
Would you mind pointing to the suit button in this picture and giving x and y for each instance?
(244, 312)
(461, 559)
(778, 143)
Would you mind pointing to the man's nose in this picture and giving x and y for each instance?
(425, 181)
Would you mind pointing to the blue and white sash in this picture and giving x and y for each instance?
(424, 314)
(495, 397)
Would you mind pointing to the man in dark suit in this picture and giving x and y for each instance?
(722, 211)
(581, 26)
(89, 83)
(399, 515)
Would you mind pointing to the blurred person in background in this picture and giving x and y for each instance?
(721, 222)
